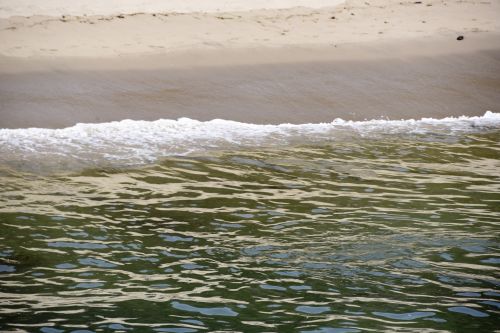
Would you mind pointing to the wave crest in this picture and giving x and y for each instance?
(130, 142)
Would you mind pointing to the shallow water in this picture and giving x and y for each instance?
(367, 230)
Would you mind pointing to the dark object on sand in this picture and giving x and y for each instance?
(460, 37)
(333, 17)
(121, 16)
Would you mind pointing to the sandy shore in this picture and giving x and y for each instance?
(10, 8)
(356, 61)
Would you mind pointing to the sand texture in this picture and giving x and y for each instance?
(10, 8)
(354, 22)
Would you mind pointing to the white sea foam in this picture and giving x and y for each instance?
(111, 7)
(130, 142)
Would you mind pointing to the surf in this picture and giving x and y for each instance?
(135, 142)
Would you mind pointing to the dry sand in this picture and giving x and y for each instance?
(114, 7)
(389, 59)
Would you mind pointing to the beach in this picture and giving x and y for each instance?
(355, 60)
(309, 166)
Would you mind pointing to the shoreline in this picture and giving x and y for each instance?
(369, 62)
(277, 86)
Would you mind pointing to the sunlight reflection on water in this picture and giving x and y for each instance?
(387, 234)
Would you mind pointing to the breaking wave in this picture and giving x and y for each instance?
(132, 143)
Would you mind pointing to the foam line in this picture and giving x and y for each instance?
(130, 142)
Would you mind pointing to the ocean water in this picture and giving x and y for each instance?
(185, 226)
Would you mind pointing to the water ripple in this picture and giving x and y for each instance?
(349, 236)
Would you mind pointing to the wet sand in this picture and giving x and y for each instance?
(273, 86)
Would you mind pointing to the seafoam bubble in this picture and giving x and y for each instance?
(131, 143)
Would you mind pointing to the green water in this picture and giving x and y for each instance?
(394, 234)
